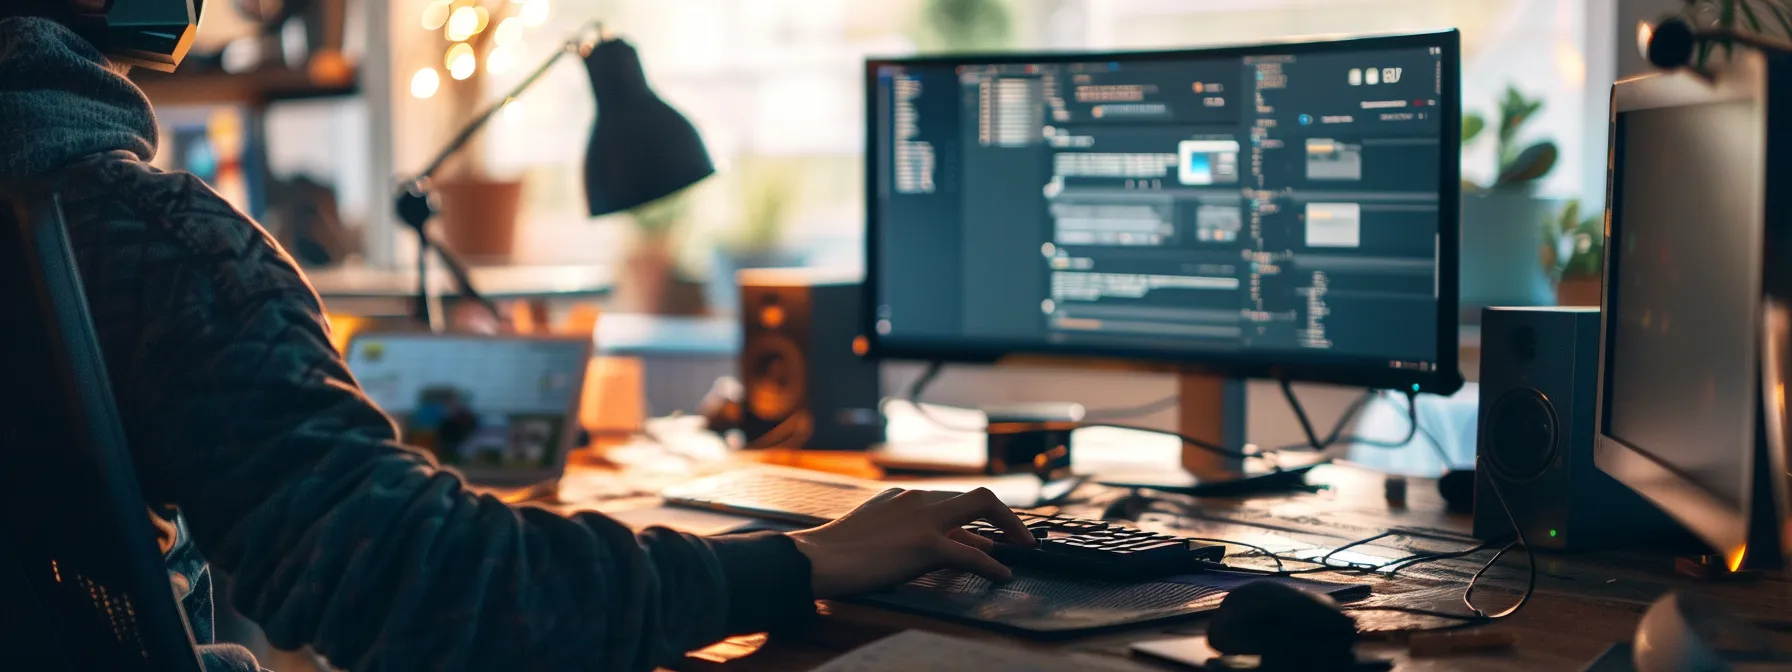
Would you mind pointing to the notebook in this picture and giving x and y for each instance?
(502, 410)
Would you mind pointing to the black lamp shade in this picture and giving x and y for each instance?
(641, 149)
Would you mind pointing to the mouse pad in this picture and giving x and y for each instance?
(1043, 604)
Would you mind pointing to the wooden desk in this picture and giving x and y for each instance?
(377, 292)
(1584, 602)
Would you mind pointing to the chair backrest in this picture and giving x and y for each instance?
(82, 579)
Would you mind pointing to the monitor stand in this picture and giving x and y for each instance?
(1212, 408)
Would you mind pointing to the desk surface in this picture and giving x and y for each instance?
(497, 282)
(1584, 602)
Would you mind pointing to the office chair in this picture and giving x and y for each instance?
(83, 585)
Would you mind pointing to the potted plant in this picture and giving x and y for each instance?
(648, 280)
(1573, 253)
(1499, 219)
(477, 212)
(768, 191)
(964, 25)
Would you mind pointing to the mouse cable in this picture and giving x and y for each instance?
(1393, 566)
(1477, 616)
(1323, 563)
(933, 371)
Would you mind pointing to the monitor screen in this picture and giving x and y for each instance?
(1287, 210)
(1684, 290)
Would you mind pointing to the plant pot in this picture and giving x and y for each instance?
(479, 217)
(1580, 291)
(1501, 232)
(648, 281)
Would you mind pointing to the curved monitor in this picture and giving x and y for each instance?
(1285, 210)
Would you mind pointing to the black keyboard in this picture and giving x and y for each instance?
(1086, 548)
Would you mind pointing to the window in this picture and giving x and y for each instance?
(774, 87)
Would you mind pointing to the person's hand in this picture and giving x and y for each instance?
(901, 534)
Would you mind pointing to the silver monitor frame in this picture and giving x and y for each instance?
(1762, 517)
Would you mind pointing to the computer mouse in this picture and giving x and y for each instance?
(1291, 629)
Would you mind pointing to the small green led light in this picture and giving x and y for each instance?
(1552, 534)
(1415, 387)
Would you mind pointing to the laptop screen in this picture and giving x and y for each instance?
(477, 402)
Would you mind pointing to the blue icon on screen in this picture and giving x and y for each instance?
(1306, 119)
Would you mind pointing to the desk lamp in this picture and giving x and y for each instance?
(641, 150)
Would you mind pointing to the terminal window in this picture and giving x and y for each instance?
(1284, 203)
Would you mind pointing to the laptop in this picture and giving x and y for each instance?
(501, 410)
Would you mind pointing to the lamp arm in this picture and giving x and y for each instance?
(412, 197)
(578, 44)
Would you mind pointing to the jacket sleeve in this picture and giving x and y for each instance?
(336, 536)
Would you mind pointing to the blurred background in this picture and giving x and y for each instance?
(310, 109)
(306, 112)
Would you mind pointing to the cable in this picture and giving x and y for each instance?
(1477, 616)
(1139, 411)
(1259, 549)
(933, 371)
(1178, 509)
(1412, 427)
(1300, 413)
(914, 399)
(1355, 407)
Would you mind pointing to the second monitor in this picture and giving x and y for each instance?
(1283, 210)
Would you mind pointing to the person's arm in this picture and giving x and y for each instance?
(336, 536)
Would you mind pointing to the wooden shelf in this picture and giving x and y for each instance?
(245, 88)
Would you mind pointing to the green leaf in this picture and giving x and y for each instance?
(1530, 165)
(1472, 125)
(1779, 13)
(1748, 16)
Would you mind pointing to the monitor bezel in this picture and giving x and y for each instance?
(1444, 379)
(1728, 527)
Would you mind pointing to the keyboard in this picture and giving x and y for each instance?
(1079, 546)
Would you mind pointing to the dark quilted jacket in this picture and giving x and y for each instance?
(244, 420)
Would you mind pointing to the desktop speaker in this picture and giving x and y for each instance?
(806, 382)
(1539, 378)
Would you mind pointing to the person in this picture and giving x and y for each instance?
(262, 458)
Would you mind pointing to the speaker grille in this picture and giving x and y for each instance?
(1521, 434)
(775, 377)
